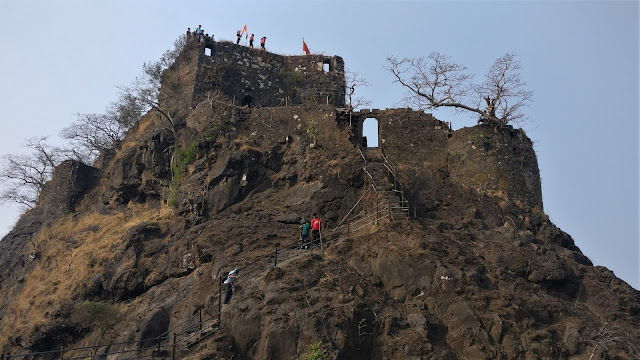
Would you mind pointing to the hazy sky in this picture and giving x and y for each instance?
(579, 58)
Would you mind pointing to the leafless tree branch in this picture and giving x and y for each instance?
(354, 82)
(27, 174)
(437, 81)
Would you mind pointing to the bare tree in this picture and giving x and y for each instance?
(125, 111)
(503, 91)
(91, 134)
(145, 89)
(439, 82)
(27, 174)
(354, 82)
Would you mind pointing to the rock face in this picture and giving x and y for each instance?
(68, 185)
(480, 272)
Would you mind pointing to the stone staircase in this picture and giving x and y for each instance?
(240, 115)
(386, 183)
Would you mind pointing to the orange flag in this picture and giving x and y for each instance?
(244, 30)
(305, 48)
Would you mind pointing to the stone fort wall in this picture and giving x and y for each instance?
(258, 78)
(475, 158)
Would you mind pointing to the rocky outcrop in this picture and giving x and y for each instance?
(70, 181)
(480, 272)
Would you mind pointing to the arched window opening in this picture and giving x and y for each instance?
(370, 132)
(247, 100)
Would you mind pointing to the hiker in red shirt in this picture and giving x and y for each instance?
(316, 226)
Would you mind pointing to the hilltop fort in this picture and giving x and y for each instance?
(435, 245)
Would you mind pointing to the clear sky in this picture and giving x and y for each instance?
(580, 58)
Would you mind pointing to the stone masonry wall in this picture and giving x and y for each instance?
(478, 157)
(258, 78)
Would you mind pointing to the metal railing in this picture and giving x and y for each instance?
(402, 207)
(194, 328)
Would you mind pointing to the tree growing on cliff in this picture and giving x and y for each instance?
(26, 174)
(145, 89)
(100, 316)
(91, 134)
(437, 82)
(353, 83)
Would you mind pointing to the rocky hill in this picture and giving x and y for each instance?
(436, 245)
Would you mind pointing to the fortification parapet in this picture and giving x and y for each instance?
(258, 78)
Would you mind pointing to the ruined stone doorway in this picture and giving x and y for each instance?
(247, 100)
(370, 133)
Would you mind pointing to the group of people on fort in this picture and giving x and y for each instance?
(199, 35)
(310, 235)
(239, 33)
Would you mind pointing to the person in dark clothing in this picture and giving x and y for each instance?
(188, 34)
(239, 35)
(251, 41)
(304, 235)
(228, 284)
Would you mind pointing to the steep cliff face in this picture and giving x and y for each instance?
(479, 273)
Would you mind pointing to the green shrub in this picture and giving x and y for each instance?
(98, 314)
(181, 158)
(316, 352)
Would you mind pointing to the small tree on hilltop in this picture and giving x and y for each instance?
(439, 82)
(353, 82)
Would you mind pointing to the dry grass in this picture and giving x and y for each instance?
(70, 253)
(136, 134)
(241, 144)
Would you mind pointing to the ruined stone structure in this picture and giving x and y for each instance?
(478, 271)
(258, 78)
(477, 158)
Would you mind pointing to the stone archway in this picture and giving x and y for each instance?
(247, 100)
(370, 132)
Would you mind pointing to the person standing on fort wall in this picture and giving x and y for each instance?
(262, 41)
(251, 41)
(188, 34)
(239, 35)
